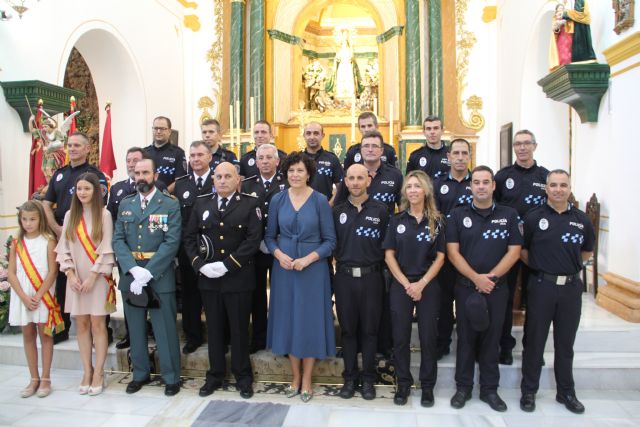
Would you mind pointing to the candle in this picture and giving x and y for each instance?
(375, 106)
(391, 122)
(353, 120)
(238, 122)
(252, 111)
(231, 125)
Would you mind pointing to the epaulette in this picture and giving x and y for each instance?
(250, 195)
(205, 195)
(182, 177)
(128, 196)
(166, 193)
(250, 177)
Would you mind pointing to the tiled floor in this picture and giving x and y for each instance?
(64, 407)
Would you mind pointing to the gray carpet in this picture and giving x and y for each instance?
(224, 413)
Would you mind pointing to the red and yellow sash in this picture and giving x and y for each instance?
(54, 321)
(90, 249)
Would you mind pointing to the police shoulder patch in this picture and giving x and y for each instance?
(250, 195)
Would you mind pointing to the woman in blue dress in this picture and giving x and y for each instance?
(301, 236)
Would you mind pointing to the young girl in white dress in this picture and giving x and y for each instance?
(32, 272)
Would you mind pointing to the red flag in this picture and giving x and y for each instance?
(107, 159)
(36, 175)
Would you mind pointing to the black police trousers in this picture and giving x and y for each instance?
(191, 300)
(483, 345)
(401, 317)
(263, 263)
(507, 341)
(233, 309)
(447, 280)
(562, 305)
(359, 307)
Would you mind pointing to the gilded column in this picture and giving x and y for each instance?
(413, 108)
(256, 56)
(436, 103)
(236, 77)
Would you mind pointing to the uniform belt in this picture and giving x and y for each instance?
(141, 256)
(559, 279)
(358, 271)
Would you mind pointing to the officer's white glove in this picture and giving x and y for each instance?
(219, 269)
(263, 247)
(208, 270)
(136, 287)
(141, 274)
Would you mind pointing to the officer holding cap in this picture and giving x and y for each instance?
(360, 224)
(558, 238)
(483, 243)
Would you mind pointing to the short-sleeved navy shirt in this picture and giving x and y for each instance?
(328, 171)
(415, 248)
(555, 241)
(484, 240)
(355, 156)
(170, 161)
(432, 161)
(62, 186)
(521, 188)
(451, 193)
(360, 234)
(248, 163)
(385, 187)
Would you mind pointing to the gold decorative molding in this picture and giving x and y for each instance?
(188, 4)
(465, 40)
(625, 69)
(204, 103)
(214, 56)
(489, 14)
(192, 22)
(624, 49)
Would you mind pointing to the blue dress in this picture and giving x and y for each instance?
(300, 318)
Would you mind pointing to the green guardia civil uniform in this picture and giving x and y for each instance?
(150, 239)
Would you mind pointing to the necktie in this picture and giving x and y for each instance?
(223, 204)
(199, 184)
(143, 203)
(267, 184)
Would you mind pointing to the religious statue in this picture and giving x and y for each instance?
(369, 95)
(51, 141)
(345, 83)
(571, 34)
(314, 78)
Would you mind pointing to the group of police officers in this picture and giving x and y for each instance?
(518, 223)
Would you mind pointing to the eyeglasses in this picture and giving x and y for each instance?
(523, 143)
(159, 129)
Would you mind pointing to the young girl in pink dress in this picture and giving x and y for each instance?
(32, 272)
(86, 257)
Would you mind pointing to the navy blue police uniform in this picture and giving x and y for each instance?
(234, 227)
(62, 187)
(450, 193)
(328, 171)
(385, 187)
(484, 236)
(358, 283)
(264, 190)
(170, 161)
(248, 163)
(223, 155)
(523, 189)
(355, 156)
(187, 189)
(555, 242)
(432, 161)
(416, 247)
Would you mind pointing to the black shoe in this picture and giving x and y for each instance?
(135, 386)
(494, 401)
(402, 395)
(209, 387)
(61, 337)
(506, 358)
(368, 391)
(459, 399)
(172, 389)
(570, 402)
(442, 352)
(123, 343)
(348, 390)
(190, 347)
(246, 392)
(528, 402)
(427, 400)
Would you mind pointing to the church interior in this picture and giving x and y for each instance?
(485, 67)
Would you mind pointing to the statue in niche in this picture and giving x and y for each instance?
(314, 78)
(571, 34)
(369, 95)
(345, 83)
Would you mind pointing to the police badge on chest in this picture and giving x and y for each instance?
(158, 222)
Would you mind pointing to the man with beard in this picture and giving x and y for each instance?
(145, 240)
